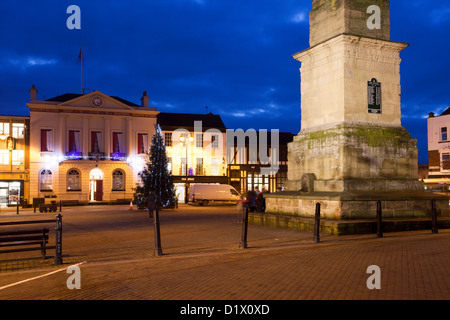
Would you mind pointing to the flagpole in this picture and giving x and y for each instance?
(81, 57)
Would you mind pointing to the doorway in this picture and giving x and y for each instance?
(96, 185)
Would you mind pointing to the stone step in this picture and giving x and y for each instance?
(344, 227)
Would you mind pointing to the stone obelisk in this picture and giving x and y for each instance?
(352, 149)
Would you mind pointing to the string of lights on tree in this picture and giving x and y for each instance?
(155, 176)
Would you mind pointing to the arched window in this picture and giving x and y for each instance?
(73, 180)
(46, 180)
(118, 180)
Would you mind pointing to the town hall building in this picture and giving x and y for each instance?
(88, 147)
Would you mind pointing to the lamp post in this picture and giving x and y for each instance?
(185, 139)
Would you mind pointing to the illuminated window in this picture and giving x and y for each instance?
(446, 161)
(74, 141)
(214, 167)
(17, 157)
(46, 140)
(96, 142)
(4, 128)
(199, 140)
(199, 168)
(168, 139)
(118, 180)
(18, 130)
(4, 157)
(142, 146)
(169, 165)
(46, 180)
(444, 134)
(73, 180)
(117, 143)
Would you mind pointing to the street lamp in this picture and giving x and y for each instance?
(185, 139)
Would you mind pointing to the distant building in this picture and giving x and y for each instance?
(196, 146)
(14, 160)
(245, 173)
(438, 179)
(88, 148)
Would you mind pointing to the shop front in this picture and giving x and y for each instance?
(11, 192)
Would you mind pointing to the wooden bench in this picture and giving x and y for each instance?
(18, 240)
(48, 207)
(25, 240)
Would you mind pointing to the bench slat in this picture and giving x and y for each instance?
(12, 223)
(27, 249)
(27, 231)
(23, 238)
(23, 243)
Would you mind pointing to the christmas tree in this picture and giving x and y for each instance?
(155, 176)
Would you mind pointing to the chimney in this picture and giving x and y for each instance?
(33, 93)
(144, 100)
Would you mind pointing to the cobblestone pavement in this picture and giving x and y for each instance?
(202, 260)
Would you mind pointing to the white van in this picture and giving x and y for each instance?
(205, 193)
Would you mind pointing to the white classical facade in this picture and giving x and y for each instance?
(439, 152)
(88, 147)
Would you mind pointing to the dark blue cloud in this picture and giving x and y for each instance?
(233, 56)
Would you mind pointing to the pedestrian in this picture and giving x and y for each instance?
(151, 203)
(252, 200)
(259, 202)
(264, 190)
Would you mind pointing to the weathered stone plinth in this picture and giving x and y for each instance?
(352, 212)
(353, 157)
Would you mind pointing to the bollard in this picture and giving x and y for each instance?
(58, 256)
(379, 221)
(243, 242)
(317, 224)
(158, 249)
(17, 212)
(434, 228)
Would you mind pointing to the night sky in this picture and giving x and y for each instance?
(235, 57)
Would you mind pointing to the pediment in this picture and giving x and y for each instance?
(96, 100)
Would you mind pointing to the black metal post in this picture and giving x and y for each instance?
(434, 228)
(158, 249)
(243, 242)
(58, 256)
(317, 224)
(379, 221)
(17, 212)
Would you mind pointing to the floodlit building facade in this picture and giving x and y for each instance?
(88, 147)
(14, 160)
(196, 149)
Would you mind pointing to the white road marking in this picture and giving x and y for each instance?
(38, 277)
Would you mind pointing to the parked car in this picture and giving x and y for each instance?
(206, 193)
